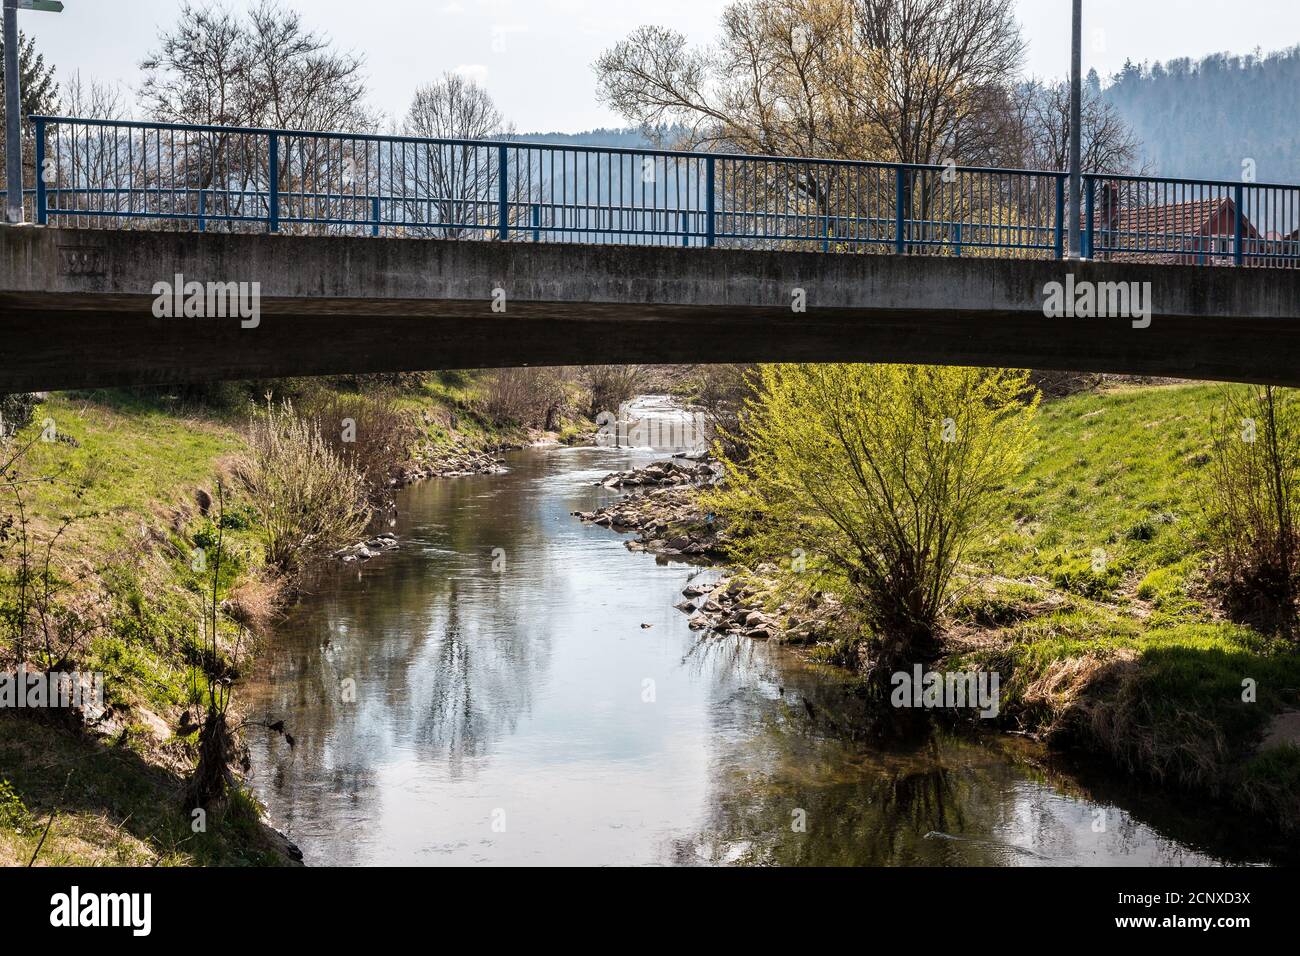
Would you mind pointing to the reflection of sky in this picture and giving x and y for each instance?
(521, 691)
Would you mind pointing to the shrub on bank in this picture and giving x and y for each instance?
(309, 499)
(876, 479)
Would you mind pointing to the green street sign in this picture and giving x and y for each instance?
(45, 6)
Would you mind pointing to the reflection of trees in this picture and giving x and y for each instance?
(864, 803)
(442, 649)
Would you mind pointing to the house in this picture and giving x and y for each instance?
(1192, 232)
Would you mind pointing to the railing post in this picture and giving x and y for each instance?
(686, 229)
(710, 230)
(958, 240)
(1239, 226)
(41, 214)
(503, 200)
(203, 210)
(899, 199)
(1090, 219)
(1060, 217)
(537, 222)
(273, 201)
(376, 210)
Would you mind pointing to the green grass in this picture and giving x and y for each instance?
(120, 464)
(1107, 631)
(1111, 490)
(111, 806)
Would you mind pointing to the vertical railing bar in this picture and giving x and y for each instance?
(899, 191)
(41, 214)
(273, 185)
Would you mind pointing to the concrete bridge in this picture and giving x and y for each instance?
(386, 253)
(78, 309)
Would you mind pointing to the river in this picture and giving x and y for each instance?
(490, 692)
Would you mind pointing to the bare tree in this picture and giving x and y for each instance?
(450, 187)
(269, 69)
(940, 67)
(897, 80)
(1042, 130)
(264, 70)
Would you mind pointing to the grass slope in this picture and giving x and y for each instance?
(1092, 596)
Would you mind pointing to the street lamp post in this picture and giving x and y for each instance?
(1076, 134)
(13, 116)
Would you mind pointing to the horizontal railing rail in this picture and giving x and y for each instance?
(97, 173)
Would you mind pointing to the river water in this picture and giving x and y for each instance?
(490, 693)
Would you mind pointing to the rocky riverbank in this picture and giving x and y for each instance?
(665, 515)
(750, 607)
(458, 462)
(669, 473)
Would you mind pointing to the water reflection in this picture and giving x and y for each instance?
(526, 693)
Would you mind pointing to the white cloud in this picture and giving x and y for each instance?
(473, 71)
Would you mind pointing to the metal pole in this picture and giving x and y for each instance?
(1076, 137)
(13, 118)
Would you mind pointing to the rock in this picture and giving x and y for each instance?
(156, 726)
(685, 607)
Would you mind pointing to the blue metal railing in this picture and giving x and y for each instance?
(125, 174)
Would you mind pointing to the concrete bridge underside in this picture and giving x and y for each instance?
(76, 310)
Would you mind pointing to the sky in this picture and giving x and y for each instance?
(534, 56)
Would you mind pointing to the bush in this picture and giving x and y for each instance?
(369, 433)
(13, 813)
(721, 393)
(16, 412)
(610, 386)
(533, 397)
(309, 500)
(1251, 492)
(876, 479)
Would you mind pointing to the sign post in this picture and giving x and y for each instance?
(13, 104)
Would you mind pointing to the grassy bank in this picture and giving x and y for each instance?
(136, 472)
(1092, 601)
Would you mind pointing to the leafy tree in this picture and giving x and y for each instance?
(877, 478)
(40, 95)
(40, 90)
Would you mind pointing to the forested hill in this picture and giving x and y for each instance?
(1203, 119)
(624, 138)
